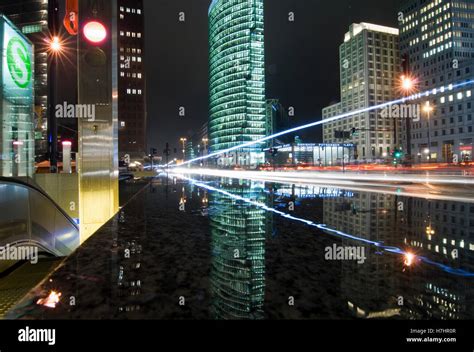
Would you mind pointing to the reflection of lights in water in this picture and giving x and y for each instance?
(334, 232)
(51, 301)
(409, 258)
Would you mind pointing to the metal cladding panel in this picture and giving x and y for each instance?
(98, 137)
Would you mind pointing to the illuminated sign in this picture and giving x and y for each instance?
(19, 62)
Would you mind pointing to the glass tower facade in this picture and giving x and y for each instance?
(237, 76)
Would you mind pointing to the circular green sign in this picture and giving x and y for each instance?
(19, 62)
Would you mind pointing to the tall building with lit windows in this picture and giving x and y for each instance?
(369, 69)
(131, 84)
(31, 17)
(237, 77)
(437, 38)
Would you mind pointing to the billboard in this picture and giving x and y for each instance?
(17, 101)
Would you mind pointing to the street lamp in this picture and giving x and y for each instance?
(183, 140)
(205, 141)
(428, 109)
(55, 45)
(407, 86)
(55, 49)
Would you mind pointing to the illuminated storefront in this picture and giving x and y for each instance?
(16, 102)
(237, 76)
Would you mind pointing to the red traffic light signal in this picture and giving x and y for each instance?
(95, 32)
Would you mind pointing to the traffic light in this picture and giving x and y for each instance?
(397, 156)
(96, 53)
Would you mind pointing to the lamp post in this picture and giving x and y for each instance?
(205, 141)
(407, 85)
(183, 141)
(55, 48)
(428, 109)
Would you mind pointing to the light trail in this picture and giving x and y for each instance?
(332, 177)
(334, 232)
(427, 93)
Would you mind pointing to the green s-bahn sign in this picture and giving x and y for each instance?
(19, 62)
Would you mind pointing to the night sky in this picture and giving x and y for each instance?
(302, 59)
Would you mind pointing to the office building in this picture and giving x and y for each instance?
(132, 83)
(237, 77)
(437, 39)
(369, 71)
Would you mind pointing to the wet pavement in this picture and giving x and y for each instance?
(233, 249)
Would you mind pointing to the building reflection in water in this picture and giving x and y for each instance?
(238, 233)
(440, 231)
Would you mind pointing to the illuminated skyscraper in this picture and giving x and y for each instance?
(131, 80)
(237, 76)
(369, 68)
(436, 38)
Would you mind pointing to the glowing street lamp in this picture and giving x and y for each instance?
(408, 85)
(55, 45)
(409, 259)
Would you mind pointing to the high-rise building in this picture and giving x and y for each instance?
(237, 76)
(437, 39)
(31, 17)
(132, 84)
(369, 69)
